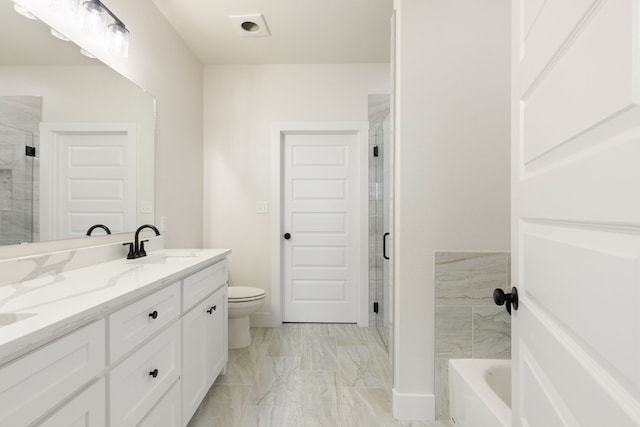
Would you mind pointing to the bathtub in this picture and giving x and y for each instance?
(480, 392)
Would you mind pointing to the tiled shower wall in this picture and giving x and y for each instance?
(467, 322)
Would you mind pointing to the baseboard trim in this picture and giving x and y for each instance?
(414, 407)
(261, 319)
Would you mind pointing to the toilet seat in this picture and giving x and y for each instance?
(238, 294)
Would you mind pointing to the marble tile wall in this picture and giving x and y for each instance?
(379, 109)
(467, 322)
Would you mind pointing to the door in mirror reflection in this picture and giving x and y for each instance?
(88, 177)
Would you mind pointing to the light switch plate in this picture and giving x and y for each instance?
(262, 207)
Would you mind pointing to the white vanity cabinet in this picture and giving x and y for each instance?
(126, 367)
(204, 336)
(35, 384)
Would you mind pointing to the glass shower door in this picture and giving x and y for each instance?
(16, 186)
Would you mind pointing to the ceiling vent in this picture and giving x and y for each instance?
(252, 25)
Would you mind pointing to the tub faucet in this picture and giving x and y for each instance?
(138, 245)
(93, 227)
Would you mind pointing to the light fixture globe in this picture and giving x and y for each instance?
(118, 39)
(94, 19)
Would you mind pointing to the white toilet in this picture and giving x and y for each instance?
(243, 300)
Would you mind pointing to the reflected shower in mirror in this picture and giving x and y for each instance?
(76, 139)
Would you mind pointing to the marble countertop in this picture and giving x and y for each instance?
(54, 304)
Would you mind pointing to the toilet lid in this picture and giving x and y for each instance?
(244, 293)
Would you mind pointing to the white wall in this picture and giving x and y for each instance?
(161, 63)
(452, 165)
(241, 102)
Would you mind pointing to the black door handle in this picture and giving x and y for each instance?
(384, 245)
(287, 236)
(508, 300)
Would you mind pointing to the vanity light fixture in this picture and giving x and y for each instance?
(95, 16)
(95, 20)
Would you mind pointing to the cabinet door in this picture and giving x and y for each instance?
(217, 349)
(199, 285)
(195, 339)
(85, 410)
(166, 413)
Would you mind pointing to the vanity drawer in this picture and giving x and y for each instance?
(36, 383)
(201, 284)
(136, 322)
(133, 390)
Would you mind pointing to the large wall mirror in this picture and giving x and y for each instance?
(76, 139)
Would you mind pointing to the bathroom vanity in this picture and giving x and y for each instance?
(120, 343)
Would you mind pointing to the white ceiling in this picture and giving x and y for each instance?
(302, 31)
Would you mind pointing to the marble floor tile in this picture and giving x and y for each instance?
(314, 329)
(366, 407)
(285, 341)
(243, 364)
(275, 382)
(358, 367)
(270, 416)
(224, 405)
(349, 334)
(319, 353)
(317, 396)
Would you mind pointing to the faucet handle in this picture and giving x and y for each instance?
(131, 254)
(141, 251)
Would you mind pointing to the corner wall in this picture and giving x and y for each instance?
(452, 165)
(241, 103)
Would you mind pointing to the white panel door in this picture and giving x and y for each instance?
(576, 213)
(320, 213)
(91, 180)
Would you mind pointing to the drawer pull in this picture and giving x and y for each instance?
(211, 310)
(154, 373)
(154, 315)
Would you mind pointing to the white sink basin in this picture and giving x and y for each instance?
(10, 318)
(166, 258)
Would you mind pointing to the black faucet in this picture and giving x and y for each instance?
(93, 227)
(139, 246)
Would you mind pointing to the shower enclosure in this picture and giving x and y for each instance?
(20, 118)
(17, 206)
(380, 216)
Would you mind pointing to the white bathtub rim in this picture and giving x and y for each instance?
(472, 371)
